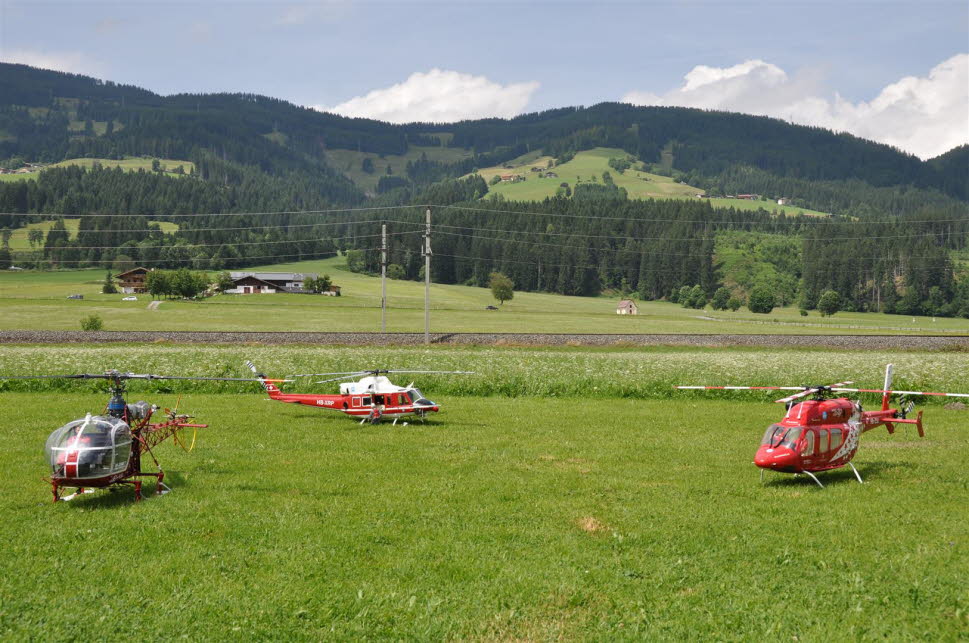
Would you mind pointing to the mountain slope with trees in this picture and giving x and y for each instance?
(252, 154)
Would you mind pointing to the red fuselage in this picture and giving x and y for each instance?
(392, 405)
(817, 435)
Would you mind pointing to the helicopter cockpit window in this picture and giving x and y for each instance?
(781, 436)
(808, 444)
(418, 397)
(90, 448)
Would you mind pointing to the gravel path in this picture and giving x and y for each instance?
(848, 342)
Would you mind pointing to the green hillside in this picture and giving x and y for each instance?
(350, 162)
(588, 166)
(130, 164)
(19, 238)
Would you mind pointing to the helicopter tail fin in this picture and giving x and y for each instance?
(889, 371)
(267, 384)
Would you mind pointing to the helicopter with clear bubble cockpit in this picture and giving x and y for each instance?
(105, 450)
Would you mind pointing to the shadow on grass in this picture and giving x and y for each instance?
(869, 471)
(120, 496)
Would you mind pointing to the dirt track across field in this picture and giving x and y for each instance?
(846, 342)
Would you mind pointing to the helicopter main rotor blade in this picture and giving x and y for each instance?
(894, 392)
(131, 376)
(325, 374)
(438, 372)
(744, 388)
(809, 391)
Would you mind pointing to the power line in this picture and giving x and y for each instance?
(794, 222)
(212, 245)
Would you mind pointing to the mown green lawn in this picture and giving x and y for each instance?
(38, 300)
(502, 518)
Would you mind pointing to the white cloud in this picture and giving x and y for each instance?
(439, 96)
(922, 115)
(70, 61)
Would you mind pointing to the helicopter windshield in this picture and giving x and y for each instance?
(94, 447)
(418, 397)
(781, 436)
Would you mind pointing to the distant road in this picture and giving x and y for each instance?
(848, 342)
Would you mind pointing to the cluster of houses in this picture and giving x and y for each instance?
(244, 283)
(515, 178)
(26, 169)
(747, 197)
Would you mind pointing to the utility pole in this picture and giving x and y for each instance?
(383, 278)
(427, 280)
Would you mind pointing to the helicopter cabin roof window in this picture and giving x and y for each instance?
(781, 436)
(91, 448)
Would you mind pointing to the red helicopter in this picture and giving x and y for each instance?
(100, 451)
(371, 398)
(822, 433)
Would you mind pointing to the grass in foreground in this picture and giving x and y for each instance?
(504, 519)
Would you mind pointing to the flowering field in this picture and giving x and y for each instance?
(646, 373)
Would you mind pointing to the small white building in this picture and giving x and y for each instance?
(627, 307)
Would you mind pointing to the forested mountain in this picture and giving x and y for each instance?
(254, 154)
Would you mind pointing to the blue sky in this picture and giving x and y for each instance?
(825, 63)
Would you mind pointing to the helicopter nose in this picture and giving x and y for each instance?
(775, 458)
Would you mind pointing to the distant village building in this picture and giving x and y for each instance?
(133, 281)
(511, 178)
(783, 201)
(551, 175)
(627, 307)
(748, 197)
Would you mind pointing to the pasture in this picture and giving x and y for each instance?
(588, 166)
(574, 504)
(37, 300)
(128, 164)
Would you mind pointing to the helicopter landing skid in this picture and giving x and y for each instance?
(857, 475)
(73, 495)
(813, 477)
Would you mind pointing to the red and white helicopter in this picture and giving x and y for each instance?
(821, 433)
(371, 399)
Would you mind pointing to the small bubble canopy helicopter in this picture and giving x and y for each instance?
(371, 399)
(822, 433)
(100, 451)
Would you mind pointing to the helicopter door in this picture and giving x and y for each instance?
(823, 442)
(807, 451)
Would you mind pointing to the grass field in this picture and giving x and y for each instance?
(129, 164)
(531, 518)
(592, 163)
(19, 238)
(38, 300)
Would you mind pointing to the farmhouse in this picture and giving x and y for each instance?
(783, 201)
(551, 175)
(267, 283)
(133, 281)
(511, 178)
(627, 307)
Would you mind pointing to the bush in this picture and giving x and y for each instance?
(93, 322)
(829, 303)
(761, 300)
(804, 313)
(109, 288)
(734, 303)
(720, 299)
